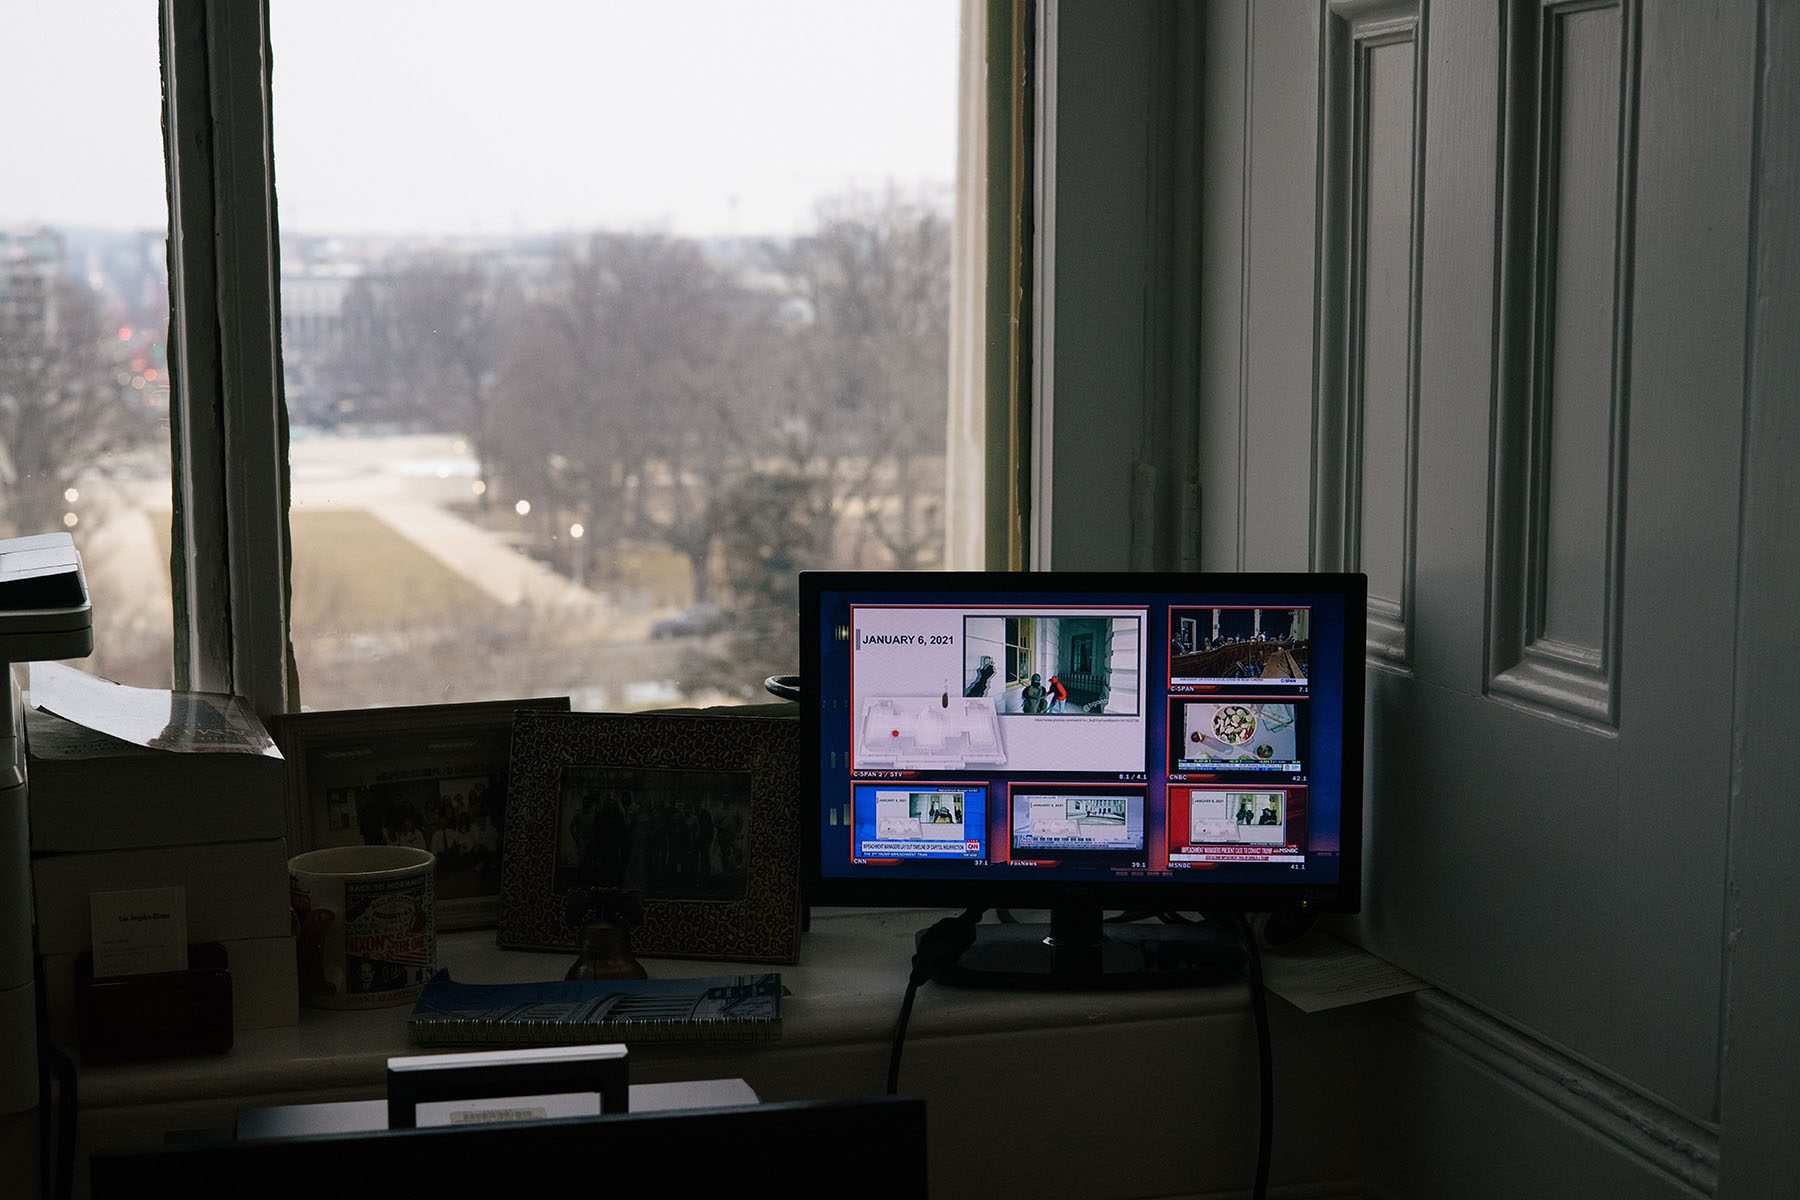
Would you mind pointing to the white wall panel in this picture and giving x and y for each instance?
(1366, 405)
(1564, 376)
(1531, 223)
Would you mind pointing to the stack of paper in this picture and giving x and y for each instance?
(156, 821)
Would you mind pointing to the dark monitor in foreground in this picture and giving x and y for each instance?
(806, 1147)
(1085, 742)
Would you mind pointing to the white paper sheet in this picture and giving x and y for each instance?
(1325, 972)
(187, 722)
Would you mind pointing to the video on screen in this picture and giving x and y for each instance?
(1053, 665)
(920, 821)
(1239, 644)
(937, 732)
(1233, 734)
(940, 688)
(1066, 818)
(1222, 825)
(1234, 816)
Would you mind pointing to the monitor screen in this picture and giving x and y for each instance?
(1133, 740)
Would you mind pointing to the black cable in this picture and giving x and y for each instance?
(46, 1127)
(785, 686)
(899, 1043)
(1128, 916)
(56, 1080)
(1265, 1058)
(939, 946)
(65, 1123)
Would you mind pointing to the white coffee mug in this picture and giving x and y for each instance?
(363, 923)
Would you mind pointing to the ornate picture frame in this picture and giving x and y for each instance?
(699, 813)
(409, 776)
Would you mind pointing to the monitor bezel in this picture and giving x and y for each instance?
(1344, 896)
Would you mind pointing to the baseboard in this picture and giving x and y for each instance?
(1636, 1125)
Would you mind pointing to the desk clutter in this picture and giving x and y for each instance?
(159, 870)
(192, 882)
(714, 1008)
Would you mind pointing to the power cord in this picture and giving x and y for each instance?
(56, 1134)
(939, 946)
(1265, 1057)
(945, 942)
(64, 1178)
(787, 687)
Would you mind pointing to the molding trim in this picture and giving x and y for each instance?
(1244, 282)
(1354, 31)
(1527, 665)
(966, 494)
(1183, 110)
(1760, 1039)
(1666, 1140)
(1040, 515)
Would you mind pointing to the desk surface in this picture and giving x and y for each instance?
(846, 990)
(1091, 1094)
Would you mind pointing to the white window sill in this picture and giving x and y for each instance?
(846, 991)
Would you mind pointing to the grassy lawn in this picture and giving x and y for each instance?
(648, 567)
(657, 570)
(354, 573)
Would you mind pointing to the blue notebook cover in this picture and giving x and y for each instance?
(712, 1008)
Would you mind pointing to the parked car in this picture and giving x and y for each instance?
(697, 621)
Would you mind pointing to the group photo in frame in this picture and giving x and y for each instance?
(697, 814)
(430, 776)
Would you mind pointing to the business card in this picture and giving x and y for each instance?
(139, 932)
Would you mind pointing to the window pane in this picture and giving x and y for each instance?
(600, 322)
(84, 388)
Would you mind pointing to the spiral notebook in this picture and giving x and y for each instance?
(712, 1008)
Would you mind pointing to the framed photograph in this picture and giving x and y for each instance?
(432, 776)
(699, 814)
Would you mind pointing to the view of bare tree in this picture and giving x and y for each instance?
(874, 286)
(774, 526)
(421, 346)
(646, 435)
(625, 393)
(60, 404)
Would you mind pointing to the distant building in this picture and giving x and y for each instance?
(312, 334)
(31, 260)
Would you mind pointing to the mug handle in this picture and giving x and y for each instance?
(310, 929)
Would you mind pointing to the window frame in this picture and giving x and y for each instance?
(231, 553)
(228, 423)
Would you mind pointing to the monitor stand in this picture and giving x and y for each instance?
(1077, 951)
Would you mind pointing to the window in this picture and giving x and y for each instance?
(805, 484)
(599, 322)
(84, 373)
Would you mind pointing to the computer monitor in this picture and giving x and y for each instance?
(1084, 742)
(810, 1146)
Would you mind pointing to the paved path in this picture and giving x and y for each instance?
(409, 484)
(481, 557)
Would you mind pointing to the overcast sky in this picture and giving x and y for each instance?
(457, 116)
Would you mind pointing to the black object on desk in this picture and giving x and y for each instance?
(168, 1014)
(873, 1146)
